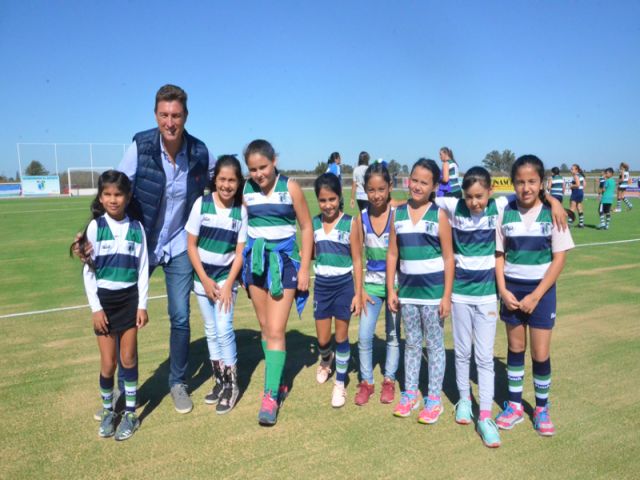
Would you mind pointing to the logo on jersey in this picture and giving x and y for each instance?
(430, 228)
(283, 197)
(545, 228)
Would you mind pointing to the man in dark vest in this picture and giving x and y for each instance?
(169, 170)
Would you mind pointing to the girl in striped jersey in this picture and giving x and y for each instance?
(338, 253)
(623, 184)
(274, 271)
(577, 193)
(555, 184)
(116, 280)
(450, 181)
(530, 254)
(420, 242)
(375, 222)
(216, 235)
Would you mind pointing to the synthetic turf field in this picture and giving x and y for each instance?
(49, 364)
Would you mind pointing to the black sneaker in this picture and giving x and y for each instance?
(230, 392)
(213, 397)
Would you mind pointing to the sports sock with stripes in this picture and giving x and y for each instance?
(581, 218)
(542, 381)
(106, 392)
(325, 351)
(343, 354)
(515, 375)
(627, 202)
(130, 376)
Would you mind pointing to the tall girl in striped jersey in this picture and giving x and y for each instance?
(116, 280)
(375, 222)
(530, 254)
(420, 241)
(577, 193)
(216, 234)
(450, 181)
(623, 184)
(274, 271)
(338, 252)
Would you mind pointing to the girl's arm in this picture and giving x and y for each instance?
(142, 318)
(365, 296)
(211, 288)
(356, 256)
(576, 182)
(306, 231)
(529, 303)
(558, 213)
(353, 193)
(507, 297)
(445, 171)
(392, 264)
(98, 317)
(226, 292)
(446, 243)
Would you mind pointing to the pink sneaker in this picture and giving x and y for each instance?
(408, 402)
(510, 416)
(542, 423)
(431, 412)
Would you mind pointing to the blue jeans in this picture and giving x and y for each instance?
(218, 328)
(365, 340)
(179, 280)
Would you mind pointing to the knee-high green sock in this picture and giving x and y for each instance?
(275, 365)
(263, 342)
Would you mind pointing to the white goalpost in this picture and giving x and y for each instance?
(81, 186)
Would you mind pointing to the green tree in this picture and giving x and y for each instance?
(405, 169)
(394, 167)
(495, 161)
(36, 168)
(321, 167)
(564, 167)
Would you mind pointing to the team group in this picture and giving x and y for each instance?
(435, 255)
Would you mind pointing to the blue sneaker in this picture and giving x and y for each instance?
(488, 431)
(128, 425)
(107, 423)
(463, 411)
(268, 414)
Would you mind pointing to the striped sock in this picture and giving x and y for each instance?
(275, 360)
(343, 354)
(602, 219)
(608, 220)
(130, 377)
(515, 374)
(581, 219)
(106, 392)
(627, 202)
(619, 205)
(325, 351)
(542, 381)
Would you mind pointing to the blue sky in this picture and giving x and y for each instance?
(559, 79)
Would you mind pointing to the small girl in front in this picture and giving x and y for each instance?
(530, 254)
(420, 241)
(338, 252)
(216, 234)
(116, 280)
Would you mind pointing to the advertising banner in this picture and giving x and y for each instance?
(634, 187)
(502, 184)
(41, 185)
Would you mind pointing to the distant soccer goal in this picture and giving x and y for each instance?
(82, 180)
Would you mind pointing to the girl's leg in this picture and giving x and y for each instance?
(323, 333)
(580, 214)
(107, 346)
(516, 337)
(274, 332)
(541, 360)
(208, 312)
(129, 362)
(259, 297)
(626, 201)
(392, 330)
(366, 331)
(484, 334)
(343, 350)
(572, 206)
(462, 321)
(225, 335)
(434, 334)
(413, 346)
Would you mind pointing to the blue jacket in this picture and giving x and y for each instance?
(150, 180)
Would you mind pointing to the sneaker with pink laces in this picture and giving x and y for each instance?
(542, 423)
(408, 402)
(432, 410)
(365, 391)
(388, 393)
(324, 369)
(268, 414)
(512, 415)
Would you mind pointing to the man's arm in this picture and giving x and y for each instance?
(129, 163)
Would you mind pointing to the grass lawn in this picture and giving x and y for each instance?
(50, 365)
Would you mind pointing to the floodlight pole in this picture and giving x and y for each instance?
(91, 159)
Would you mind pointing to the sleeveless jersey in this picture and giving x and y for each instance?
(375, 252)
(270, 217)
(217, 241)
(580, 182)
(474, 245)
(527, 250)
(557, 185)
(333, 249)
(421, 276)
(117, 260)
(454, 177)
(624, 180)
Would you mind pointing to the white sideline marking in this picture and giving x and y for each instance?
(77, 307)
(44, 210)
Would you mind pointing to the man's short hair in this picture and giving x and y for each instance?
(170, 93)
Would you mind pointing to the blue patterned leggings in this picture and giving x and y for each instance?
(423, 321)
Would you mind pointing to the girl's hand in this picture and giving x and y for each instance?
(366, 299)
(303, 279)
(393, 302)
(352, 202)
(141, 318)
(445, 307)
(226, 297)
(211, 288)
(529, 303)
(356, 305)
(509, 300)
(100, 322)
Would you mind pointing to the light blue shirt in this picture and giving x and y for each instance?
(172, 237)
(334, 168)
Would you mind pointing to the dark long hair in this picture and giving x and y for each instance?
(109, 177)
(261, 147)
(433, 167)
(476, 175)
(330, 182)
(537, 165)
(377, 168)
(232, 162)
(332, 157)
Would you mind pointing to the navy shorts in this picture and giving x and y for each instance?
(605, 208)
(289, 274)
(544, 315)
(332, 297)
(577, 195)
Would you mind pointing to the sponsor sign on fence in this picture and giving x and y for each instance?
(502, 184)
(10, 189)
(41, 185)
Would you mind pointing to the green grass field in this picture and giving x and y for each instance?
(50, 362)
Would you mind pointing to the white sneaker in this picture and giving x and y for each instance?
(339, 395)
(617, 210)
(324, 369)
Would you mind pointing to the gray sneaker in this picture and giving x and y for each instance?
(128, 425)
(97, 416)
(181, 400)
(107, 421)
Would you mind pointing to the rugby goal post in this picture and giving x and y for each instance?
(85, 180)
